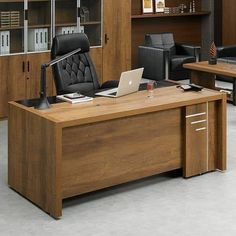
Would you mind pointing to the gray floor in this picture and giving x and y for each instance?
(159, 206)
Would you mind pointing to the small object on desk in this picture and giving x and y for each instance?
(213, 54)
(190, 87)
(74, 98)
(150, 88)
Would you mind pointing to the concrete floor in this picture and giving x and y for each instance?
(157, 206)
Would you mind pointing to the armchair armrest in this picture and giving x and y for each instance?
(226, 51)
(110, 84)
(155, 62)
(191, 50)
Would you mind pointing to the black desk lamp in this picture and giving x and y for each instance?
(44, 104)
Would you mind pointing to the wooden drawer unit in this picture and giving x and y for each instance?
(196, 140)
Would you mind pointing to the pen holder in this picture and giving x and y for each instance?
(212, 61)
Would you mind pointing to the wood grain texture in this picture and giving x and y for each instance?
(218, 69)
(3, 86)
(229, 22)
(33, 159)
(16, 78)
(196, 140)
(205, 79)
(33, 74)
(72, 149)
(101, 109)
(117, 49)
(120, 150)
(97, 58)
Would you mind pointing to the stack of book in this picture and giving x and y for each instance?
(5, 17)
(10, 19)
(15, 18)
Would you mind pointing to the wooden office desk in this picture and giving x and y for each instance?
(73, 149)
(202, 73)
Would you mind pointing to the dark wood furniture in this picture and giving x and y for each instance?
(73, 149)
(205, 75)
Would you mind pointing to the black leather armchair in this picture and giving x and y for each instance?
(162, 58)
(227, 53)
(77, 73)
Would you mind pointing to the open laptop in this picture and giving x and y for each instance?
(129, 83)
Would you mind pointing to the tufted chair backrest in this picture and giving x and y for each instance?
(76, 73)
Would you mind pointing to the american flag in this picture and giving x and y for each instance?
(212, 51)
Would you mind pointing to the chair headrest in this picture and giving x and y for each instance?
(63, 44)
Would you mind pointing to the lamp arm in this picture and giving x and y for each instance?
(43, 84)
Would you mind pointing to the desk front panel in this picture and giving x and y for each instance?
(104, 154)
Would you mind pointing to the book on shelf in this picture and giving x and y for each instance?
(80, 99)
(38, 39)
(4, 42)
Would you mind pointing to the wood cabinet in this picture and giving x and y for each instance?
(3, 86)
(204, 136)
(117, 38)
(196, 161)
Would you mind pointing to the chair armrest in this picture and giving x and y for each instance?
(155, 62)
(183, 49)
(110, 84)
(226, 51)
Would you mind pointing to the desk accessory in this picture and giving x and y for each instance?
(190, 87)
(213, 54)
(44, 104)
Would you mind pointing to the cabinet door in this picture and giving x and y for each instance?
(33, 75)
(16, 84)
(117, 38)
(3, 86)
(39, 25)
(12, 27)
(196, 141)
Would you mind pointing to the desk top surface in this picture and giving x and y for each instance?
(104, 108)
(220, 68)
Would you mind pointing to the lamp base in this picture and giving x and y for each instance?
(212, 61)
(43, 104)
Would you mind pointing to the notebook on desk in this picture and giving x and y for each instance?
(129, 83)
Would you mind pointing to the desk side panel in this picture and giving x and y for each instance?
(107, 153)
(33, 168)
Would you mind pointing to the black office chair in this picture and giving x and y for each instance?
(77, 73)
(162, 58)
(227, 53)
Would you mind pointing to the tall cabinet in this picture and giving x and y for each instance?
(27, 28)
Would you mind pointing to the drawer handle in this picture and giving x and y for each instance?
(200, 129)
(198, 122)
(197, 114)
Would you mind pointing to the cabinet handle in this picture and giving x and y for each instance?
(23, 67)
(28, 65)
(200, 129)
(197, 122)
(106, 39)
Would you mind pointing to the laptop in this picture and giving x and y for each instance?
(129, 83)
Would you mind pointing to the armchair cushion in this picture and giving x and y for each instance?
(152, 59)
(176, 62)
(182, 49)
(226, 51)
